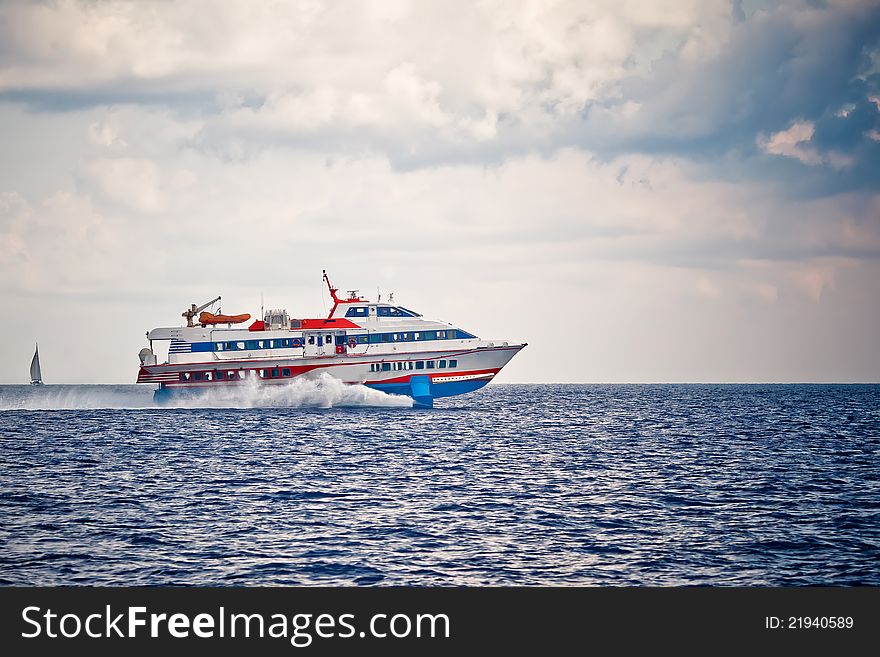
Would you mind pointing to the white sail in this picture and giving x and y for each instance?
(36, 374)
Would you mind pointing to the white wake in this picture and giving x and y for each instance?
(321, 391)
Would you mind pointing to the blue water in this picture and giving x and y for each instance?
(526, 484)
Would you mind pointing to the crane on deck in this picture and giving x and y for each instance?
(193, 311)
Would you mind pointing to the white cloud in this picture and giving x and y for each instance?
(795, 142)
(105, 133)
(132, 182)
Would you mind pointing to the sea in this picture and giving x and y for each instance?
(318, 483)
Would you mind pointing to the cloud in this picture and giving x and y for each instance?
(461, 81)
(131, 182)
(794, 142)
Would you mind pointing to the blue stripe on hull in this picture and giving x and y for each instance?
(449, 389)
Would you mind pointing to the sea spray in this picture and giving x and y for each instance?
(74, 397)
(318, 391)
(307, 391)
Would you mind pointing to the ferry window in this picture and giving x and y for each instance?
(219, 376)
(184, 376)
(285, 371)
(429, 335)
(441, 335)
(375, 338)
(239, 345)
(396, 337)
(218, 346)
(311, 339)
(383, 311)
(208, 376)
(399, 366)
(197, 376)
(453, 363)
(358, 311)
(463, 335)
(241, 374)
(442, 364)
(394, 312)
(262, 374)
(416, 335)
(275, 373)
(329, 339)
(386, 367)
(408, 313)
(287, 342)
(407, 337)
(430, 364)
(409, 365)
(251, 344)
(386, 337)
(362, 339)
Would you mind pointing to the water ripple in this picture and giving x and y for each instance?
(593, 485)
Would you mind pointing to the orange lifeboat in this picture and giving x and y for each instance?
(206, 318)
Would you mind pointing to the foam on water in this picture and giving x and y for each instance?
(74, 397)
(322, 391)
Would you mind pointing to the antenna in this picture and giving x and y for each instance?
(262, 309)
(391, 297)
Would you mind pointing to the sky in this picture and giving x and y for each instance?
(643, 191)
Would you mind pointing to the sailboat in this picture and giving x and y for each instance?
(36, 374)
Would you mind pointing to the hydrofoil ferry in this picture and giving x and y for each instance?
(380, 345)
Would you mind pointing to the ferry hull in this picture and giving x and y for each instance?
(477, 368)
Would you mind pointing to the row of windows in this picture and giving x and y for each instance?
(371, 338)
(285, 372)
(414, 336)
(237, 375)
(413, 365)
(381, 311)
(252, 345)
